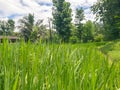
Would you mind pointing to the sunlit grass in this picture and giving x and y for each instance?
(28, 66)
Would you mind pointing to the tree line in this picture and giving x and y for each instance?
(61, 28)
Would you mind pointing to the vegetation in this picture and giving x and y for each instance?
(78, 23)
(6, 27)
(88, 33)
(61, 29)
(107, 11)
(62, 19)
(31, 30)
(26, 26)
(74, 67)
(112, 50)
(67, 56)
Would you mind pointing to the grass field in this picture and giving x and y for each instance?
(112, 50)
(26, 66)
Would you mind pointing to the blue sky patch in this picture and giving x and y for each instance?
(14, 16)
(1, 12)
(84, 7)
(45, 4)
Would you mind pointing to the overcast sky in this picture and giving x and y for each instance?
(15, 9)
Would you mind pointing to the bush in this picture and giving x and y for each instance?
(98, 38)
(74, 39)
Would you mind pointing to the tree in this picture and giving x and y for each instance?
(99, 32)
(7, 27)
(62, 19)
(88, 33)
(30, 29)
(107, 11)
(40, 30)
(78, 22)
(11, 25)
(79, 16)
(74, 34)
(26, 26)
(3, 27)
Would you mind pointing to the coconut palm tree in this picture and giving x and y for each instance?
(26, 26)
(40, 28)
(30, 29)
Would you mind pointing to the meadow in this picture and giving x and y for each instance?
(40, 66)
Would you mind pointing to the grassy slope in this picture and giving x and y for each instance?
(112, 50)
(56, 67)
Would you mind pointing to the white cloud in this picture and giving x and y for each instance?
(41, 8)
(85, 4)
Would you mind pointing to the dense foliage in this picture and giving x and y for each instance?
(62, 19)
(107, 11)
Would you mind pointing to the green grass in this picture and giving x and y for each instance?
(112, 50)
(26, 66)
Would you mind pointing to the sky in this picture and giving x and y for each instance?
(42, 9)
